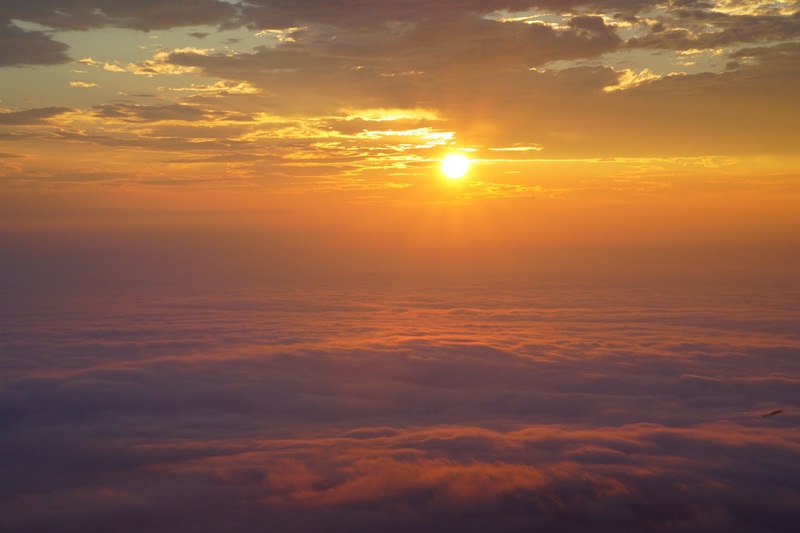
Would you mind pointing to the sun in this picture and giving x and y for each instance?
(454, 166)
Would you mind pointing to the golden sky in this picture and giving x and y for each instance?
(586, 122)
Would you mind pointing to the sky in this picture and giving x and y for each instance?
(239, 293)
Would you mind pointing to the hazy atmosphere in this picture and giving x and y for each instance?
(356, 266)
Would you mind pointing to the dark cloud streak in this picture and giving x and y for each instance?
(20, 47)
(32, 116)
(142, 15)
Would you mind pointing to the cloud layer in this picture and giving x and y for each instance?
(581, 410)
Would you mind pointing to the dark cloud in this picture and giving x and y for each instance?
(356, 14)
(32, 116)
(20, 47)
(145, 113)
(703, 31)
(773, 59)
(167, 144)
(425, 65)
(144, 15)
(477, 73)
(280, 14)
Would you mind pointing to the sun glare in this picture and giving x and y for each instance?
(454, 166)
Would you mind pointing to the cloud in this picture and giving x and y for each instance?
(582, 410)
(710, 30)
(20, 47)
(144, 15)
(460, 44)
(32, 116)
(630, 79)
(83, 84)
(218, 88)
(146, 113)
(160, 64)
(427, 64)
(496, 73)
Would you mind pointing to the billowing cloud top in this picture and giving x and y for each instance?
(402, 411)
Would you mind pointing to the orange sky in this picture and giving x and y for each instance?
(589, 124)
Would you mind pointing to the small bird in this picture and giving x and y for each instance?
(773, 413)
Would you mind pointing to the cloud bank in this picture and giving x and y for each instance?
(577, 410)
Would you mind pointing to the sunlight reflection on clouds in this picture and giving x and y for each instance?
(517, 408)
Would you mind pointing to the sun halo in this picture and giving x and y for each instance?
(455, 166)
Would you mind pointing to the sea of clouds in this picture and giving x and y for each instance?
(412, 408)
